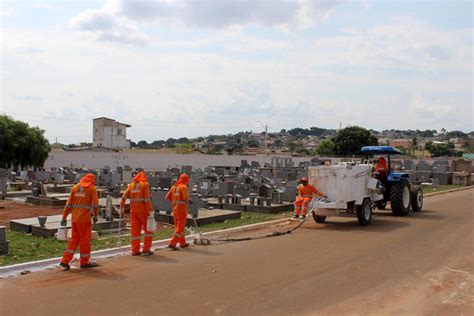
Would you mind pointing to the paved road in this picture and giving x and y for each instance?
(421, 264)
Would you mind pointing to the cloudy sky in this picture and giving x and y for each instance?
(193, 68)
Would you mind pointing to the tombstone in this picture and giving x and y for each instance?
(127, 168)
(119, 169)
(444, 178)
(116, 179)
(108, 208)
(187, 169)
(441, 168)
(423, 165)
(158, 201)
(409, 164)
(220, 171)
(59, 178)
(204, 187)
(244, 164)
(265, 190)
(462, 165)
(3, 241)
(255, 164)
(243, 190)
(3, 185)
(195, 204)
(223, 188)
(154, 182)
(288, 192)
(165, 182)
(127, 176)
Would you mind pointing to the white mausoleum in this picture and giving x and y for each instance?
(109, 133)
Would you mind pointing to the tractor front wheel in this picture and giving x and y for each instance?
(417, 199)
(400, 198)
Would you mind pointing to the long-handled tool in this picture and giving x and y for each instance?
(199, 238)
(119, 242)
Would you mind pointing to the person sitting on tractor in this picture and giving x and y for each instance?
(381, 169)
(305, 195)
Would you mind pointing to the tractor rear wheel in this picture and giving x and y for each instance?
(319, 219)
(400, 198)
(364, 212)
(417, 199)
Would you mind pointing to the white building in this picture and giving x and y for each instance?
(109, 133)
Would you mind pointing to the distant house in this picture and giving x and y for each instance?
(109, 133)
(400, 143)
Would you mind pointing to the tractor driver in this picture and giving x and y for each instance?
(381, 169)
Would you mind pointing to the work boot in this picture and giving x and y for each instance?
(148, 253)
(302, 216)
(295, 216)
(65, 266)
(173, 247)
(89, 265)
(136, 254)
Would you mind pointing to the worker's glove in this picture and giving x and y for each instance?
(95, 219)
(63, 222)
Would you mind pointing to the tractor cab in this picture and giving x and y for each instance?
(397, 188)
(388, 151)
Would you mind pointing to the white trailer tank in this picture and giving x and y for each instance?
(342, 183)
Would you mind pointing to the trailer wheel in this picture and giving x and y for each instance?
(400, 198)
(417, 199)
(319, 219)
(364, 212)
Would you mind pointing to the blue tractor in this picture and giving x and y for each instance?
(395, 186)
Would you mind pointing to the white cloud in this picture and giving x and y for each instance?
(107, 27)
(118, 20)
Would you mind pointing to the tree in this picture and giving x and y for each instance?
(350, 140)
(326, 148)
(252, 143)
(170, 142)
(21, 146)
(142, 144)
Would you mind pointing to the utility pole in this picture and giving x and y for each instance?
(266, 136)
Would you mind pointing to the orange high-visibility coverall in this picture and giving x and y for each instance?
(382, 168)
(140, 208)
(178, 195)
(81, 202)
(305, 195)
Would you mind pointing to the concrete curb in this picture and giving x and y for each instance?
(35, 266)
(448, 191)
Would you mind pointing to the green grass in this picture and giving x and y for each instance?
(25, 248)
(428, 189)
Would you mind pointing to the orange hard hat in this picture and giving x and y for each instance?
(304, 179)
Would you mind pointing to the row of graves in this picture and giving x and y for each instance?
(437, 172)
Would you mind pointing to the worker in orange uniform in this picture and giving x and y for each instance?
(305, 193)
(178, 195)
(82, 203)
(381, 169)
(140, 209)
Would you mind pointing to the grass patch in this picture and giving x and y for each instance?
(25, 248)
(430, 189)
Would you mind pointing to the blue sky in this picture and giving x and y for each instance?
(193, 68)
